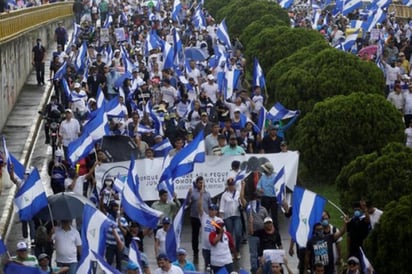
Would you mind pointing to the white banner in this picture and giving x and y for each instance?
(215, 171)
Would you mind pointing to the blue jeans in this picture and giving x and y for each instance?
(72, 267)
(229, 268)
(234, 226)
(253, 251)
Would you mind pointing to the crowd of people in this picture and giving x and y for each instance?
(188, 100)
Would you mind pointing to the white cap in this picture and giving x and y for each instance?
(77, 85)
(21, 246)
(267, 220)
(210, 77)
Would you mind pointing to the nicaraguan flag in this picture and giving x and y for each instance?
(133, 204)
(79, 63)
(178, 48)
(183, 162)
(30, 197)
(198, 19)
(407, 3)
(134, 255)
(381, 3)
(108, 22)
(349, 42)
(280, 185)
(157, 121)
(365, 263)
(163, 147)
(66, 89)
(94, 228)
(356, 24)
(168, 55)
(261, 121)
(351, 5)
(338, 7)
(60, 72)
(177, 6)
(100, 100)
(98, 126)
(152, 42)
(80, 148)
(105, 265)
(285, 4)
(114, 108)
(118, 83)
(307, 210)
(174, 233)
(241, 176)
(223, 35)
(279, 112)
(13, 268)
(258, 77)
(3, 248)
(144, 129)
(19, 169)
(377, 17)
(73, 38)
(228, 81)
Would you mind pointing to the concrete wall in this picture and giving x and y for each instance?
(15, 64)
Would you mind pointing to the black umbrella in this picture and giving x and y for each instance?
(64, 206)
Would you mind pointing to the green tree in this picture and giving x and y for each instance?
(268, 20)
(327, 73)
(388, 246)
(343, 127)
(380, 177)
(275, 43)
(213, 6)
(244, 15)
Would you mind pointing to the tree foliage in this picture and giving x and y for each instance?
(327, 73)
(380, 177)
(275, 43)
(342, 128)
(213, 6)
(388, 246)
(242, 16)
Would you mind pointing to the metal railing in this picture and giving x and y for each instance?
(17, 22)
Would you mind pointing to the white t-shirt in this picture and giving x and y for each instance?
(220, 254)
(66, 243)
(210, 90)
(408, 133)
(161, 237)
(173, 270)
(207, 227)
(69, 130)
(229, 204)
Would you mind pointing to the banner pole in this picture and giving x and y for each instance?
(338, 208)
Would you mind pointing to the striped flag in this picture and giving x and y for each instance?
(163, 147)
(307, 210)
(279, 112)
(19, 169)
(223, 35)
(280, 185)
(258, 77)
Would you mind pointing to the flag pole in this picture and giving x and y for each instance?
(338, 208)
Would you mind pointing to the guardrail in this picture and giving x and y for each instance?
(15, 23)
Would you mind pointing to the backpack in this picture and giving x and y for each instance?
(42, 237)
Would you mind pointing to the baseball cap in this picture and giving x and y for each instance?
(21, 246)
(162, 256)
(267, 220)
(166, 220)
(132, 266)
(42, 256)
(213, 207)
(68, 110)
(77, 85)
(181, 251)
(353, 259)
(210, 77)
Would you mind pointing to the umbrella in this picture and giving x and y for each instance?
(369, 50)
(195, 54)
(64, 206)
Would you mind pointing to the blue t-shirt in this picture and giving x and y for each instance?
(266, 183)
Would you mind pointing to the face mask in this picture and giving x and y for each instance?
(357, 213)
(325, 222)
(107, 183)
(319, 233)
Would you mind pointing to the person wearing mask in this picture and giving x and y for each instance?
(195, 194)
(330, 229)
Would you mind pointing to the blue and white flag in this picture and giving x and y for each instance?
(144, 129)
(80, 148)
(163, 147)
(365, 264)
(108, 22)
(3, 248)
(356, 24)
(351, 5)
(133, 204)
(157, 121)
(285, 4)
(349, 42)
(13, 268)
(80, 61)
(30, 197)
(174, 233)
(114, 108)
(241, 176)
(66, 89)
(94, 228)
(407, 3)
(377, 17)
(381, 3)
(168, 55)
(178, 48)
(228, 81)
(307, 211)
(258, 77)
(60, 72)
(183, 162)
(100, 100)
(177, 6)
(104, 265)
(280, 185)
(152, 42)
(73, 38)
(118, 184)
(134, 255)
(279, 112)
(261, 121)
(223, 35)
(198, 19)
(19, 169)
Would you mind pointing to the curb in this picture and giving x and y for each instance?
(25, 159)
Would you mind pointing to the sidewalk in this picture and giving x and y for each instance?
(20, 132)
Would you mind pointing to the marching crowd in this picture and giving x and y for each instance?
(187, 98)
